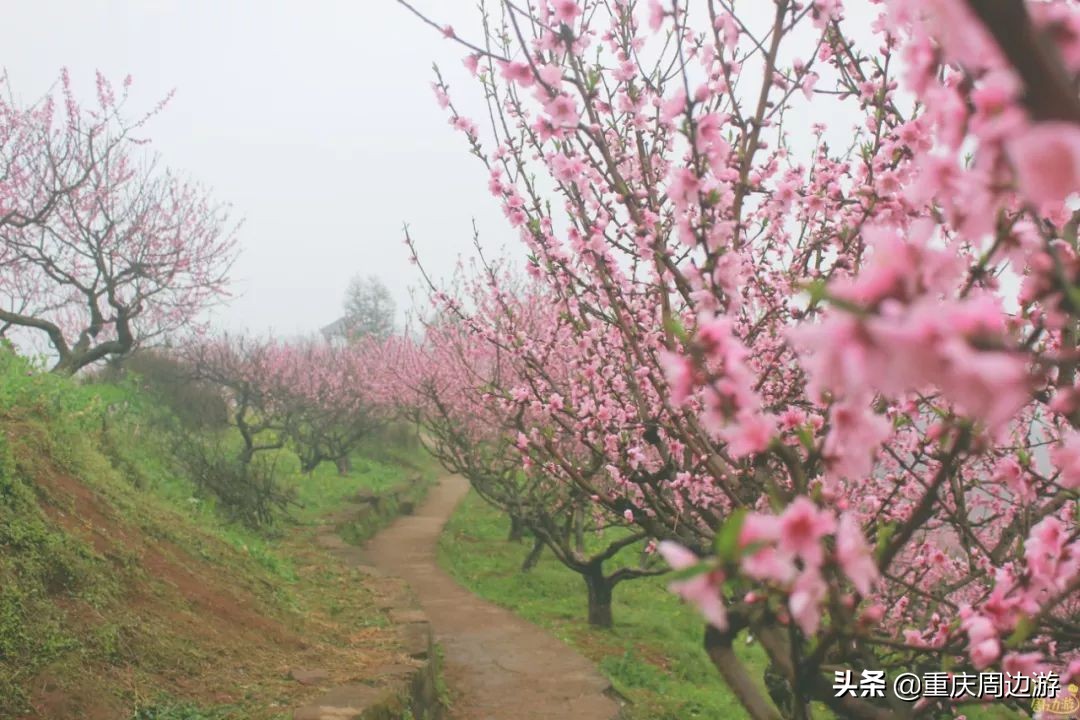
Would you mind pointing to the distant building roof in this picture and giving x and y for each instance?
(336, 329)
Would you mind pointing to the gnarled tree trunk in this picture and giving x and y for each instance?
(534, 555)
(517, 529)
(344, 465)
(600, 591)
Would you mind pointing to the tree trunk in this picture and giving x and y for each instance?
(517, 529)
(65, 366)
(718, 646)
(579, 530)
(599, 597)
(344, 465)
(534, 555)
(247, 453)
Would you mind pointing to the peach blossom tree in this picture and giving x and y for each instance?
(813, 285)
(101, 249)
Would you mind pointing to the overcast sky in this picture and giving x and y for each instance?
(314, 119)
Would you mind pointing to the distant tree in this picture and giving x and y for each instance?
(100, 250)
(246, 370)
(369, 309)
(244, 479)
(329, 394)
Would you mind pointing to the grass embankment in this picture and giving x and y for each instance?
(653, 656)
(124, 593)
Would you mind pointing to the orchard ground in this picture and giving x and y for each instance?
(654, 656)
(127, 593)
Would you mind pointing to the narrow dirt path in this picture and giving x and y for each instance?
(498, 666)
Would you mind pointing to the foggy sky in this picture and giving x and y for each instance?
(314, 118)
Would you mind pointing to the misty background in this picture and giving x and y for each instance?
(315, 120)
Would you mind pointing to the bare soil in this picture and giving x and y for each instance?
(498, 666)
(194, 628)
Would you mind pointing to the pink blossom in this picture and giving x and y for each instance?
(440, 96)
(1050, 561)
(710, 129)
(984, 646)
(702, 590)
(567, 169)
(984, 653)
(562, 111)
(1009, 472)
(717, 338)
(725, 23)
(656, 15)
(465, 125)
(872, 615)
(566, 10)
(749, 433)
(854, 555)
(924, 344)
(802, 526)
(518, 72)
(856, 434)
(792, 418)
(673, 106)
(987, 385)
(683, 187)
(1047, 161)
(768, 563)
(805, 600)
(1028, 663)
(680, 374)
(827, 10)
(1066, 457)
(759, 528)
(762, 561)
(551, 74)
(841, 353)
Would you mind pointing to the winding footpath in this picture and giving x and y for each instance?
(498, 666)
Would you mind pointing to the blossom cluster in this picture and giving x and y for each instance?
(832, 369)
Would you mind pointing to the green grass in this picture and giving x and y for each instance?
(137, 447)
(64, 604)
(171, 710)
(63, 607)
(324, 489)
(653, 656)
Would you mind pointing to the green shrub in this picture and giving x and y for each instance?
(170, 382)
(250, 493)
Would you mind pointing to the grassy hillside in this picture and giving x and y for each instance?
(125, 593)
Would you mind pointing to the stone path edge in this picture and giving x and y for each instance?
(408, 689)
